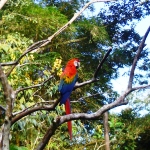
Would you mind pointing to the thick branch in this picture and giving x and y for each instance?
(106, 131)
(36, 107)
(9, 96)
(120, 101)
(60, 120)
(136, 58)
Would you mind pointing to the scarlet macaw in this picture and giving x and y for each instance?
(67, 82)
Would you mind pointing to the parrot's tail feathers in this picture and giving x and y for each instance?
(70, 129)
(69, 123)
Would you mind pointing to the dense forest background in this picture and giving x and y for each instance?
(37, 38)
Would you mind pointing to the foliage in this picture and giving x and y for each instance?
(26, 22)
(126, 129)
(31, 20)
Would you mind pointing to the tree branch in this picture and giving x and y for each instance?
(77, 85)
(102, 62)
(94, 79)
(106, 131)
(34, 46)
(33, 86)
(94, 116)
(9, 95)
(136, 58)
(36, 107)
(141, 87)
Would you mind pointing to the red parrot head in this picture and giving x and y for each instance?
(74, 62)
(70, 70)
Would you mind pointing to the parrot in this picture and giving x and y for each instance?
(68, 79)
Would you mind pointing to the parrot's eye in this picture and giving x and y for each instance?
(77, 64)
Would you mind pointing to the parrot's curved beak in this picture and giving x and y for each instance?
(77, 64)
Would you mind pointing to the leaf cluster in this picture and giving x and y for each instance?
(86, 38)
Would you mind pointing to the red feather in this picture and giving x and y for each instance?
(68, 111)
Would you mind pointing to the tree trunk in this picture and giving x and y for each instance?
(106, 131)
(9, 96)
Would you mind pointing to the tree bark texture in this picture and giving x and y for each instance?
(106, 131)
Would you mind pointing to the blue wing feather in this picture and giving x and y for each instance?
(65, 89)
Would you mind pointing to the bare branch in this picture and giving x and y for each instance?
(106, 131)
(136, 58)
(46, 105)
(102, 62)
(141, 87)
(33, 86)
(87, 97)
(120, 101)
(42, 105)
(77, 85)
